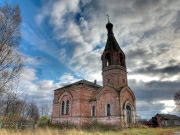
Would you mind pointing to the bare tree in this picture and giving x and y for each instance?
(32, 111)
(14, 105)
(13, 102)
(10, 37)
(12, 108)
(45, 109)
(177, 100)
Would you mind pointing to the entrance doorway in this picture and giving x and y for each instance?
(129, 114)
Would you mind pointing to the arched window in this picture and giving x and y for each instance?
(67, 107)
(108, 110)
(93, 111)
(121, 60)
(129, 115)
(62, 108)
(108, 59)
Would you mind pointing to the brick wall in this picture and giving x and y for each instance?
(82, 98)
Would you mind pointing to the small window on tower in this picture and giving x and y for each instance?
(123, 80)
(121, 60)
(108, 81)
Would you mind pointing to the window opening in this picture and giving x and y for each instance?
(108, 80)
(93, 111)
(121, 60)
(62, 108)
(108, 59)
(67, 107)
(108, 110)
(123, 80)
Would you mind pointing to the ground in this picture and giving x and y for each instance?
(73, 131)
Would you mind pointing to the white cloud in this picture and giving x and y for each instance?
(44, 11)
(132, 21)
(35, 88)
(31, 76)
(67, 78)
(170, 106)
(41, 90)
(62, 8)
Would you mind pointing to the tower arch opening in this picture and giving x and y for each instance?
(108, 59)
(121, 60)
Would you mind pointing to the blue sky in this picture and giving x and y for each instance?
(63, 41)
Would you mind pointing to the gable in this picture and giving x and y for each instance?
(127, 90)
(79, 83)
(65, 94)
(108, 90)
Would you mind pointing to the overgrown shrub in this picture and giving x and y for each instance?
(95, 125)
(138, 126)
(57, 125)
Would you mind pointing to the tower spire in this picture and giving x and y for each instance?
(111, 43)
(113, 61)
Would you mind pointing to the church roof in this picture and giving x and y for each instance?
(112, 44)
(92, 84)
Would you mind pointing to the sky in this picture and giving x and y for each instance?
(62, 42)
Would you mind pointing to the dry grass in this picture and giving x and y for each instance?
(56, 131)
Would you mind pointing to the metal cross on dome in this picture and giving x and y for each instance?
(108, 17)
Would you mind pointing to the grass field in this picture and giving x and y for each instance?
(56, 131)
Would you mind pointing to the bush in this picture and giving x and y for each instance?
(96, 126)
(57, 125)
(44, 118)
(138, 126)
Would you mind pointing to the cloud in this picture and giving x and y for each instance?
(154, 90)
(154, 97)
(32, 87)
(34, 60)
(67, 78)
(146, 30)
(153, 69)
(146, 110)
(41, 91)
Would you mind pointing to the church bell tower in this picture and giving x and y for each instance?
(113, 62)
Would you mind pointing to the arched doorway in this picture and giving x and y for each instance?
(129, 114)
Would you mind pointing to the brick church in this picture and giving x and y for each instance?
(113, 103)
